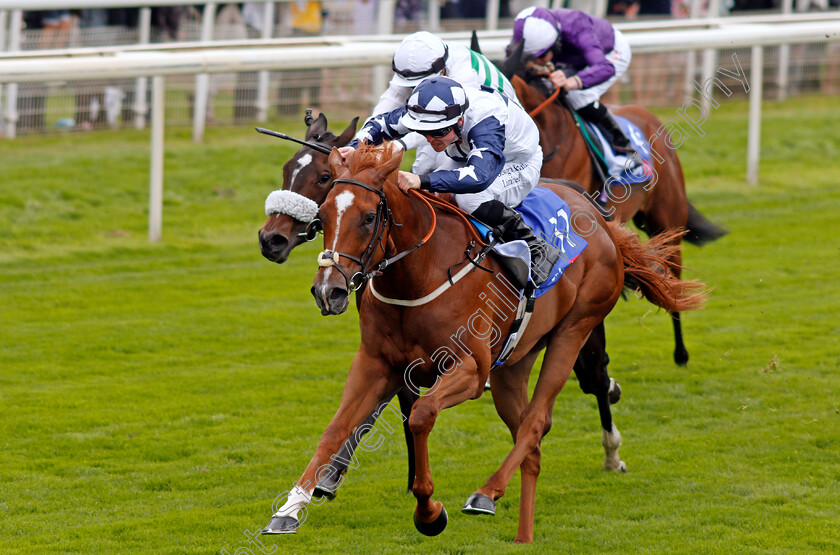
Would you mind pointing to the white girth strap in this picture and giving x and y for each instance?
(428, 298)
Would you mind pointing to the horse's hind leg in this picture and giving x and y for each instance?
(564, 344)
(591, 370)
(680, 352)
(509, 386)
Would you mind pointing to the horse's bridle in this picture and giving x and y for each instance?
(381, 231)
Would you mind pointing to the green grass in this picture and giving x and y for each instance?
(156, 398)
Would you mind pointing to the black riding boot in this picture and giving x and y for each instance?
(598, 114)
(509, 226)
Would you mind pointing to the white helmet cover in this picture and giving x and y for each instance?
(538, 28)
(418, 56)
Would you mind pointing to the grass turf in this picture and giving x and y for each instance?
(157, 398)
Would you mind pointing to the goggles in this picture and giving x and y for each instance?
(437, 133)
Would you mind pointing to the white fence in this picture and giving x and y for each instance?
(377, 51)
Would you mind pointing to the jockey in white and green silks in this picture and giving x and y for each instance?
(422, 55)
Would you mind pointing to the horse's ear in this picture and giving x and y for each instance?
(348, 133)
(318, 127)
(336, 161)
(474, 43)
(514, 59)
(389, 166)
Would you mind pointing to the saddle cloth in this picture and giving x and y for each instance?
(549, 217)
(621, 168)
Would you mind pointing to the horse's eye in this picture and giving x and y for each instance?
(324, 178)
(370, 218)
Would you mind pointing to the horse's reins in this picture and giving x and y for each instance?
(381, 232)
(543, 106)
(384, 219)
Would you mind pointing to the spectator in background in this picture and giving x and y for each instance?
(167, 19)
(654, 81)
(56, 25)
(307, 19)
(407, 13)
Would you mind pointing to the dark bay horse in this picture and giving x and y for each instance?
(307, 173)
(660, 206)
(448, 343)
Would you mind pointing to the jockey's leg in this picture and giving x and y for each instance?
(598, 114)
(509, 225)
(493, 207)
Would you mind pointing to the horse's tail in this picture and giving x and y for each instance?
(700, 229)
(646, 268)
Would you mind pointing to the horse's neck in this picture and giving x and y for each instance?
(425, 268)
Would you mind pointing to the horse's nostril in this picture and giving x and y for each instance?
(277, 240)
(338, 294)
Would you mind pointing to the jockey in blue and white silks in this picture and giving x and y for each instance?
(594, 53)
(487, 154)
(495, 152)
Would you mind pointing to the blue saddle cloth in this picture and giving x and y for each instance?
(550, 218)
(618, 167)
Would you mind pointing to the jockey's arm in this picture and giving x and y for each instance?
(598, 69)
(384, 127)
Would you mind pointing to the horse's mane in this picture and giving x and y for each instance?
(370, 157)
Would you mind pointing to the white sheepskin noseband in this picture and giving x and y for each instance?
(292, 204)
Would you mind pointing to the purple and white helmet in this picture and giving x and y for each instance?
(538, 28)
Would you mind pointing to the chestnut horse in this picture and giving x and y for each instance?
(308, 174)
(659, 206)
(411, 243)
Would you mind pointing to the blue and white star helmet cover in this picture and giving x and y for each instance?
(437, 102)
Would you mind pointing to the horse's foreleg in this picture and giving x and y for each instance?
(407, 399)
(329, 482)
(450, 389)
(368, 383)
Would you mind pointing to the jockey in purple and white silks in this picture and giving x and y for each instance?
(597, 53)
(488, 155)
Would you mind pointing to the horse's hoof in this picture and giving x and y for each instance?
(282, 525)
(435, 527)
(319, 492)
(479, 504)
(614, 392)
(681, 357)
